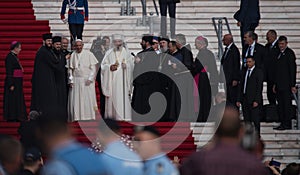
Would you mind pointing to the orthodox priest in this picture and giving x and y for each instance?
(60, 77)
(44, 90)
(116, 77)
(146, 80)
(82, 104)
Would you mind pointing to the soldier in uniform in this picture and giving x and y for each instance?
(149, 148)
(77, 14)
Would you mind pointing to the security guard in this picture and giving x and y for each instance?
(148, 146)
(77, 14)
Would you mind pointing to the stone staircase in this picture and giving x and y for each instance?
(283, 146)
(194, 17)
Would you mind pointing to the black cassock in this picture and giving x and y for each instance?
(146, 81)
(14, 104)
(100, 55)
(44, 89)
(207, 59)
(204, 90)
(61, 84)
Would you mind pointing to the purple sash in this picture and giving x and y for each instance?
(18, 73)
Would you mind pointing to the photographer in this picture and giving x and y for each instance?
(273, 167)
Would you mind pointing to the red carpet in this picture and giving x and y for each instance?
(18, 23)
(85, 133)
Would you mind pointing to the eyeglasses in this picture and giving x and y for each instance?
(155, 42)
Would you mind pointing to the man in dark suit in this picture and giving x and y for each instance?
(285, 82)
(185, 51)
(171, 5)
(247, 17)
(253, 49)
(224, 155)
(230, 62)
(250, 94)
(272, 52)
(185, 80)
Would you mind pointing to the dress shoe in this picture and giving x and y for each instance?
(281, 128)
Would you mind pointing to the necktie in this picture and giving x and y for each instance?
(246, 80)
(224, 55)
(249, 51)
(281, 53)
(226, 48)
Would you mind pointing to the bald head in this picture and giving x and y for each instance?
(227, 39)
(230, 125)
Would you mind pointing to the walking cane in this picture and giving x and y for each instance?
(123, 74)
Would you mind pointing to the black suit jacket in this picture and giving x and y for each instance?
(249, 12)
(286, 70)
(254, 87)
(258, 55)
(187, 57)
(231, 64)
(271, 56)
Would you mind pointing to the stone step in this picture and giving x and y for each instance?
(194, 18)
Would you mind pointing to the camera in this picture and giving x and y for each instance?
(274, 163)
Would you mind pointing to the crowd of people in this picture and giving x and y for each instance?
(63, 89)
(124, 81)
(240, 148)
(127, 81)
(166, 65)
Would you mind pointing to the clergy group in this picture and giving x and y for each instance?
(163, 82)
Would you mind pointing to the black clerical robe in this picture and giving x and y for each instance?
(61, 84)
(14, 104)
(146, 81)
(44, 89)
(204, 91)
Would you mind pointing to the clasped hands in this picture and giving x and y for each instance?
(115, 66)
(87, 83)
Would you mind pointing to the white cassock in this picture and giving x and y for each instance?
(112, 84)
(82, 103)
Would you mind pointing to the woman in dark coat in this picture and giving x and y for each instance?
(14, 104)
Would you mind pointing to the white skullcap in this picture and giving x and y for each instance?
(78, 40)
(117, 37)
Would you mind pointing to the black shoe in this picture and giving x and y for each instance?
(281, 128)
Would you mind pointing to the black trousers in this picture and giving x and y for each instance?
(245, 28)
(102, 97)
(231, 93)
(285, 106)
(270, 94)
(76, 31)
(172, 14)
(252, 115)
